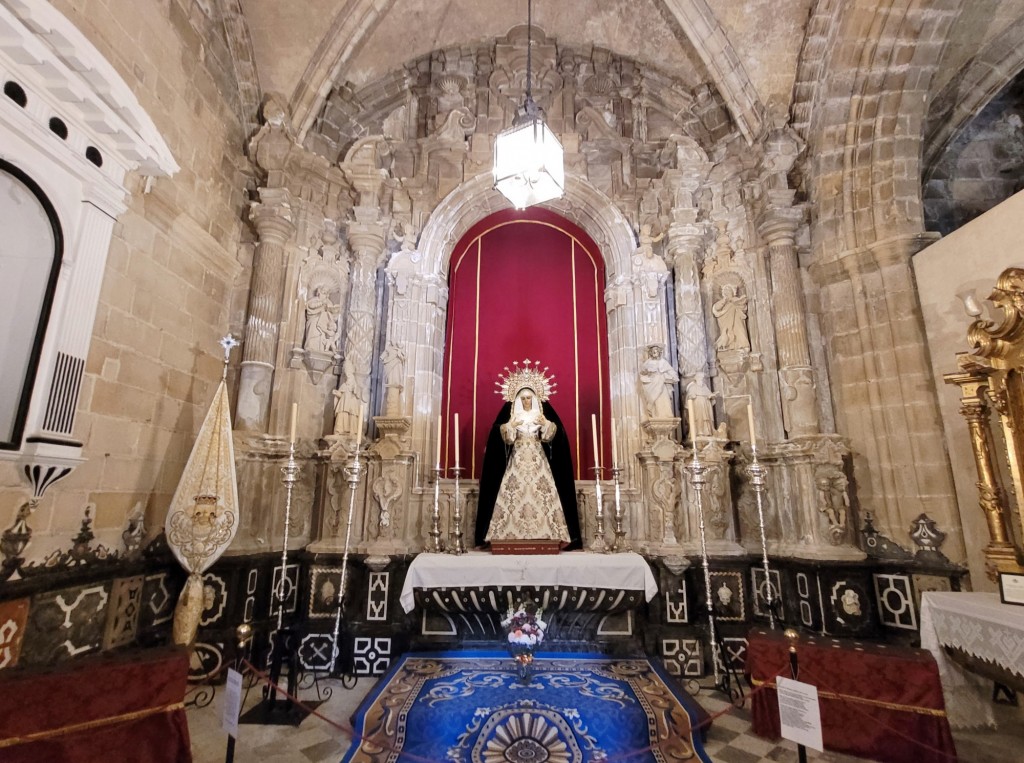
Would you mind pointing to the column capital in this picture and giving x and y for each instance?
(778, 224)
(272, 215)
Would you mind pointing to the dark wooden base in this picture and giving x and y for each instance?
(526, 546)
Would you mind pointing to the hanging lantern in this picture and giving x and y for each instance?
(528, 166)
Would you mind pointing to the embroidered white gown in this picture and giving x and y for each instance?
(527, 506)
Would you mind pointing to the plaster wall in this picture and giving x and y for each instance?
(968, 261)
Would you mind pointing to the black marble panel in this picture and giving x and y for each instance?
(65, 623)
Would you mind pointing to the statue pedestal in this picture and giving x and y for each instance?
(543, 546)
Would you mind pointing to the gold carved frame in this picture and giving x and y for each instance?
(991, 377)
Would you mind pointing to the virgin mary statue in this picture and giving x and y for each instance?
(527, 491)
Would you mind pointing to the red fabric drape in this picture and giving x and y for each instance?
(524, 285)
(96, 690)
(878, 702)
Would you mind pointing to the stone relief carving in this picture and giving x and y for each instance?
(322, 330)
(833, 500)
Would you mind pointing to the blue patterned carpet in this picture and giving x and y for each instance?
(472, 707)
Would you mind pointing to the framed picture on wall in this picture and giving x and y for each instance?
(1011, 588)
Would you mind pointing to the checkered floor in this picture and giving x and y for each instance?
(729, 740)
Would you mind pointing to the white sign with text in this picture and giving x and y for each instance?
(799, 713)
(232, 702)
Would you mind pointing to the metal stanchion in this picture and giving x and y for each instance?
(243, 633)
(792, 636)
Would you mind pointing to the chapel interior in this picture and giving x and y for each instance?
(265, 301)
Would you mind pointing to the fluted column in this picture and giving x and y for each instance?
(272, 216)
(800, 408)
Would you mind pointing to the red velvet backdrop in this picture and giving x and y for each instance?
(523, 285)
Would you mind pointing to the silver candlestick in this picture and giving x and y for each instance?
(353, 472)
(698, 478)
(436, 544)
(291, 475)
(455, 541)
(621, 544)
(599, 545)
(757, 473)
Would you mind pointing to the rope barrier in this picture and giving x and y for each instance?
(74, 728)
(757, 686)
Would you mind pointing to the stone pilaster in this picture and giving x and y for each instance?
(886, 403)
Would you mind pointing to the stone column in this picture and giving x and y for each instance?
(800, 407)
(686, 250)
(272, 216)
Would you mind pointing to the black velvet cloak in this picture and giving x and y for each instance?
(496, 456)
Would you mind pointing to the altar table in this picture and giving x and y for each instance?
(100, 708)
(979, 625)
(877, 701)
(575, 569)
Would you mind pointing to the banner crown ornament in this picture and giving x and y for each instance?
(529, 375)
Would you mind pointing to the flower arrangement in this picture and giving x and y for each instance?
(525, 627)
(524, 624)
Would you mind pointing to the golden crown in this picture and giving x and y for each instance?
(529, 375)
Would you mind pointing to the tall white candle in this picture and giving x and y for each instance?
(291, 429)
(359, 426)
(456, 433)
(593, 431)
(615, 449)
(750, 424)
(438, 459)
(689, 420)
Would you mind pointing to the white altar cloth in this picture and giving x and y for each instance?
(572, 569)
(982, 626)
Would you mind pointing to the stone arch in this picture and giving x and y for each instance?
(582, 203)
(866, 127)
(426, 269)
(985, 75)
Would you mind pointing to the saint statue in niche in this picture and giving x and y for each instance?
(527, 491)
(731, 312)
(656, 379)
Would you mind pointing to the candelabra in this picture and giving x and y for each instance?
(599, 545)
(621, 544)
(353, 472)
(757, 473)
(436, 544)
(455, 541)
